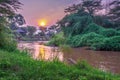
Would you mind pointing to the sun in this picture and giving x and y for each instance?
(42, 23)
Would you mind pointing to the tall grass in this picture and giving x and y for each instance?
(18, 66)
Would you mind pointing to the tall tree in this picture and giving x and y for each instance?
(90, 6)
(9, 7)
(114, 13)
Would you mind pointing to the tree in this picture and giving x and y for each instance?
(91, 6)
(31, 30)
(114, 13)
(16, 21)
(9, 7)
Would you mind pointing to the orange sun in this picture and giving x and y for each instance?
(42, 23)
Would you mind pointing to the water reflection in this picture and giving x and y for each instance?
(104, 60)
(41, 52)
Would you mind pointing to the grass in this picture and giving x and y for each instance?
(19, 66)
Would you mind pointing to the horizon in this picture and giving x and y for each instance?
(49, 10)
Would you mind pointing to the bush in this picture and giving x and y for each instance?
(90, 38)
(109, 32)
(77, 24)
(93, 28)
(57, 40)
(85, 39)
(81, 24)
(108, 44)
(74, 41)
(118, 29)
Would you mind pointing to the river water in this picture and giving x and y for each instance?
(104, 60)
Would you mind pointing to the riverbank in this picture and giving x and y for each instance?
(105, 60)
(19, 66)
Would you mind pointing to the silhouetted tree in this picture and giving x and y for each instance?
(31, 30)
(114, 13)
(90, 6)
(8, 7)
(16, 21)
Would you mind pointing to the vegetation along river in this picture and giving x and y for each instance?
(104, 60)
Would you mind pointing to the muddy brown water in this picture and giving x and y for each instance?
(104, 60)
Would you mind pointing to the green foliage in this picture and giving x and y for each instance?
(95, 36)
(118, 29)
(6, 38)
(83, 65)
(108, 44)
(109, 32)
(93, 28)
(74, 41)
(57, 40)
(103, 21)
(85, 28)
(18, 66)
(77, 23)
(85, 40)
(81, 24)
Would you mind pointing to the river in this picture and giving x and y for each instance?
(104, 60)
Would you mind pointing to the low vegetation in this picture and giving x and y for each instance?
(19, 66)
(57, 40)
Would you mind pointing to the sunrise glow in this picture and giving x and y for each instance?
(42, 23)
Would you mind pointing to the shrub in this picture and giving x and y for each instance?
(74, 41)
(109, 32)
(57, 40)
(85, 39)
(77, 24)
(81, 24)
(90, 38)
(118, 29)
(108, 44)
(93, 28)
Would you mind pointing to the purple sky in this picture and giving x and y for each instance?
(51, 10)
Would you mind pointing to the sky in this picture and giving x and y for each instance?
(48, 10)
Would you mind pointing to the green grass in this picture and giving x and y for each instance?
(19, 66)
